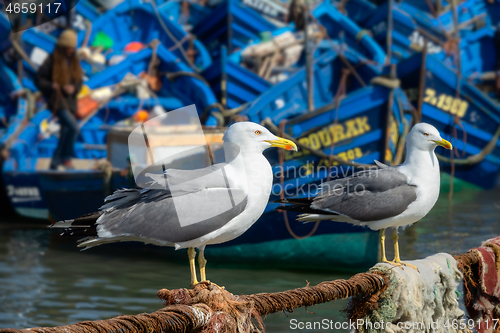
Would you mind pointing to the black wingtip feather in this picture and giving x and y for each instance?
(295, 201)
(303, 209)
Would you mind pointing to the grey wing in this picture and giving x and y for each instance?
(184, 181)
(121, 198)
(370, 195)
(158, 216)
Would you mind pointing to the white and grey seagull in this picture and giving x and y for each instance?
(192, 208)
(382, 198)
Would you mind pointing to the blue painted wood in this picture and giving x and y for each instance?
(476, 44)
(493, 10)
(476, 125)
(87, 10)
(335, 23)
(135, 21)
(288, 99)
(12, 109)
(172, 10)
(245, 86)
(4, 32)
(246, 26)
(183, 91)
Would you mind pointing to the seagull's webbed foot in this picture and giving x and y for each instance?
(400, 264)
(385, 261)
(397, 261)
(209, 285)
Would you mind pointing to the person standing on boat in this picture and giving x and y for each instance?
(59, 79)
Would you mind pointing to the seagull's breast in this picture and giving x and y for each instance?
(426, 180)
(258, 178)
(427, 186)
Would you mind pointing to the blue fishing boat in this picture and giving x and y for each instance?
(243, 86)
(83, 14)
(4, 32)
(354, 130)
(353, 127)
(471, 14)
(87, 11)
(288, 99)
(462, 113)
(145, 26)
(40, 41)
(435, 13)
(412, 27)
(479, 55)
(133, 21)
(339, 26)
(16, 105)
(407, 34)
(357, 10)
(9, 88)
(36, 191)
(493, 9)
(174, 12)
(230, 24)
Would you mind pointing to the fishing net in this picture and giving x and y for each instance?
(424, 301)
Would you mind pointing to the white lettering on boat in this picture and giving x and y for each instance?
(22, 191)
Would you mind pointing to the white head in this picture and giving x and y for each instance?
(252, 137)
(425, 137)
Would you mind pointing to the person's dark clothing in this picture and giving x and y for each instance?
(67, 137)
(64, 109)
(43, 82)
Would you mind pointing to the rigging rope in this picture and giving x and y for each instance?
(210, 308)
(281, 155)
(172, 37)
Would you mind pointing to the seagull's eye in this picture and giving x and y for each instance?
(257, 132)
(426, 134)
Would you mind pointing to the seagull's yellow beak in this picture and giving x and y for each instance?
(283, 143)
(443, 143)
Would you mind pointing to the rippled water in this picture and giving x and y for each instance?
(47, 281)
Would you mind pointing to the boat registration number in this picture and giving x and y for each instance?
(348, 155)
(447, 103)
(24, 191)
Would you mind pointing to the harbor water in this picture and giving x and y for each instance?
(48, 281)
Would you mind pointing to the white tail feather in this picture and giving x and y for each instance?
(62, 224)
(314, 217)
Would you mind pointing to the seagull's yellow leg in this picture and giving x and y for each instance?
(203, 263)
(382, 245)
(192, 265)
(397, 261)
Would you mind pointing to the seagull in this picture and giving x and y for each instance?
(191, 208)
(385, 197)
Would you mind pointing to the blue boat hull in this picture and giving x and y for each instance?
(24, 194)
(356, 135)
(28, 148)
(478, 117)
(230, 24)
